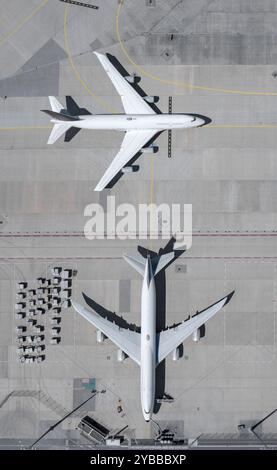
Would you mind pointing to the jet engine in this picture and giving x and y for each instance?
(100, 336)
(176, 354)
(133, 78)
(196, 335)
(150, 149)
(150, 99)
(121, 355)
(129, 169)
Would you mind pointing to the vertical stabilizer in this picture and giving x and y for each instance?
(56, 106)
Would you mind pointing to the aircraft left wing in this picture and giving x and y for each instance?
(170, 339)
(127, 340)
(132, 102)
(132, 143)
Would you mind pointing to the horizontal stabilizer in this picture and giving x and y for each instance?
(160, 262)
(60, 116)
(57, 131)
(138, 265)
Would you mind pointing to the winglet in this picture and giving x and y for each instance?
(228, 297)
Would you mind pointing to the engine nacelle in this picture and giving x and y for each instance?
(150, 99)
(130, 169)
(196, 335)
(121, 355)
(176, 354)
(150, 149)
(133, 78)
(100, 336)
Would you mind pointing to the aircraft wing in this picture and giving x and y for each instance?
(127, 340)
(132, 102)
(132, 143)
(170, 339)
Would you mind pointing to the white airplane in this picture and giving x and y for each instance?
(149, 348)
(141, 122)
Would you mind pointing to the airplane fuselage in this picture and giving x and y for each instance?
(125, 122)
(148, 342)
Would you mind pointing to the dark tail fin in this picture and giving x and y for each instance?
(68, 115)
(71, 133)
(73, 109)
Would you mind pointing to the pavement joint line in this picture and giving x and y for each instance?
(81, 234)
(76, 71)
(22, 22)
(176, 83)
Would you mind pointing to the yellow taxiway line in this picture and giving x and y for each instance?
(22, 22)
(176, 83)
(76, 71)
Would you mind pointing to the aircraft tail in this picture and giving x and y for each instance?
(158, 262)
(57, 131)
(67, 116)
(56, 106)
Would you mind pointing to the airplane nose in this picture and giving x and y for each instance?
(200, 122)
(146, 415)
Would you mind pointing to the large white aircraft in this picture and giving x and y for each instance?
(142, 121)
(149, 348)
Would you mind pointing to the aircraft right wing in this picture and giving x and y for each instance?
(127, 340)
(170, 339)
(132, 143)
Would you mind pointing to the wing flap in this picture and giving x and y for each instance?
(132, 143)
(170, 339)
(127, 340)
(132, 102)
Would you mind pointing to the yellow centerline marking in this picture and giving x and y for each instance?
(143, 72)
(76, 71)
(22, 22)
